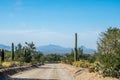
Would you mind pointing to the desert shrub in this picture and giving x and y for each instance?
(107, 65)
(10, 64)
(109, 52)
(7, 64)
(16, 63)
(95, 67)
(92, 67)
(110, 65)
(83, 64)
(34, 62)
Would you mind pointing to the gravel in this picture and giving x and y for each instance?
(45, 72)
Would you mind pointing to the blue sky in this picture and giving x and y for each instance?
(55, 21)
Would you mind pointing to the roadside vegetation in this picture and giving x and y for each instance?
(21, 56)
(105, 61)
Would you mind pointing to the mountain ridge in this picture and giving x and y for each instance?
(2, 46)
(59, 49)
(51, 48)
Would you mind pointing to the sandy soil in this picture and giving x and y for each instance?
(46, 72)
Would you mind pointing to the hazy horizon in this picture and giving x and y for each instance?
(55, 21)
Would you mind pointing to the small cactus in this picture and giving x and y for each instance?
(12, 48)
(2, 55)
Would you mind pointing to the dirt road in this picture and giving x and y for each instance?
(46, 72)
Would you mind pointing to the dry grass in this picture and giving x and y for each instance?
(7, 64)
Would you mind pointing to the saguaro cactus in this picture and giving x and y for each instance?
(12, 51)
(2, 55)
(75, 48)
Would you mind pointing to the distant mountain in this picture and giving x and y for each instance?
(88, 50)
(4, 47)
(47, 49)
(53, 49)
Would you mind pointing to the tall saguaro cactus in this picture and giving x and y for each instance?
(2, 55)
(75, 48)
(12, 51)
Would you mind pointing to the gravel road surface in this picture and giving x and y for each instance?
(45, 72)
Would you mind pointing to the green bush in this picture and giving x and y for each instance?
(109, 52)
(109, 65)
